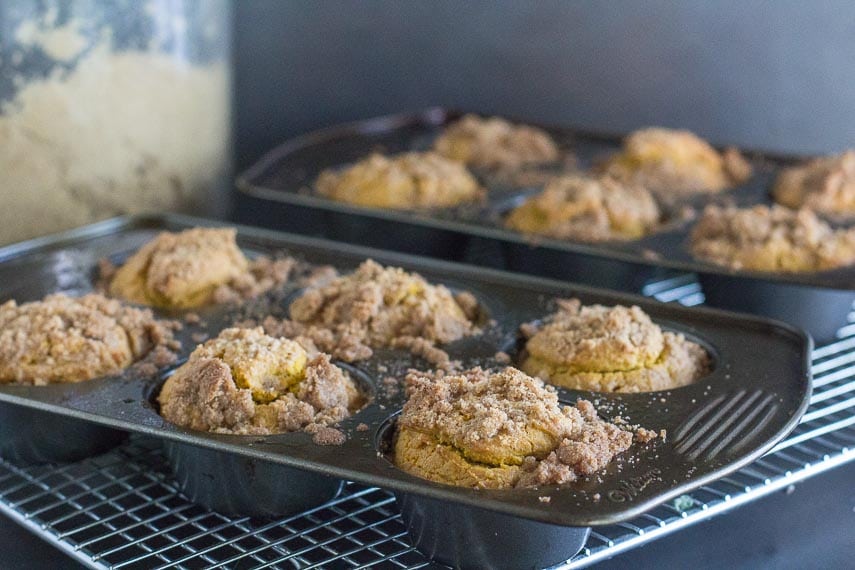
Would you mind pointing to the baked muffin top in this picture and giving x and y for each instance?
(499, 429)
(378, 306)
(763, 238)
(610, 349)
(587, 209)
(495, 143)
(676, 163)
(246, 382)
(71, 339)
(410, 180)
(826, 185)
(193, 268)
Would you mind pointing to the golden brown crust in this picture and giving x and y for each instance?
(770, 239)
(246, 382)
(611, 349)
(499, 430)
(65, 339)
(495, 143)
(193, 268)
(587, 209)
(410, 180)
(676, 163)
(378, 306)
(826, 185)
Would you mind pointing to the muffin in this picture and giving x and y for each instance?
(246, 382)
(495, 143)
(610, 349)
(378, 306)
(770, 239)
(587, 209)
(676, 163)
(499, 430)
(411, 180)
(825, 185)
(64, 339)
(193, 268)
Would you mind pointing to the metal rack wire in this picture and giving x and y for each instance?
(122, 509)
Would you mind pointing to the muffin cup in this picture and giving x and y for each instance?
(818, 310)
(468, 537)
(30, 437)
(463, 536)
(241, 486)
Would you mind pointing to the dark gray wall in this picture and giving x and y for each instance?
(777, 75)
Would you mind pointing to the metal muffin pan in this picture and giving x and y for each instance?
(715, 426)
(817, 302)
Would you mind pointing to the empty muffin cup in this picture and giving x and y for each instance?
(468, 537)
(233, 485)
(30, 437)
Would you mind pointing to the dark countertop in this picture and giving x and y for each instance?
(810, 526)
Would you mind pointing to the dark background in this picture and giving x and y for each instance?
(768, 74)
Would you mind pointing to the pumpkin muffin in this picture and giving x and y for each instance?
(499, 430)
(761, 238)
(825, 185)
(412, 180)
(610, 349)
(64, 339)
(245, 382)
(378, 306)
(676, 163)
(587, 209)
(193, 268)
(495, 143)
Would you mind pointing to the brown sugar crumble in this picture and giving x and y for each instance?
(499, 430)
(325, 435)
(583, 208)
(375, 307)
(771, 239)
(362, 426)
(496, 143)
(610, 349)
(64, 339)
(193, 268)
(674, 163)
(245, 382)
(825, 184)
(410, 180)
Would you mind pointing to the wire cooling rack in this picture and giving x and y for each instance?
(123, 510)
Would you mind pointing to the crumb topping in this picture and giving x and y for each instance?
(66, 339)
(193, 268)
(495, 143)
(771, 239)
(378, 306)
(610, 349)
(245, 382)
(826, 185)
(676, 162)
(587, 209)
(405, 181)
(499, 430)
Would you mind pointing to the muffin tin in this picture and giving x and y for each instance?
(817, 302)
(714, 427)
